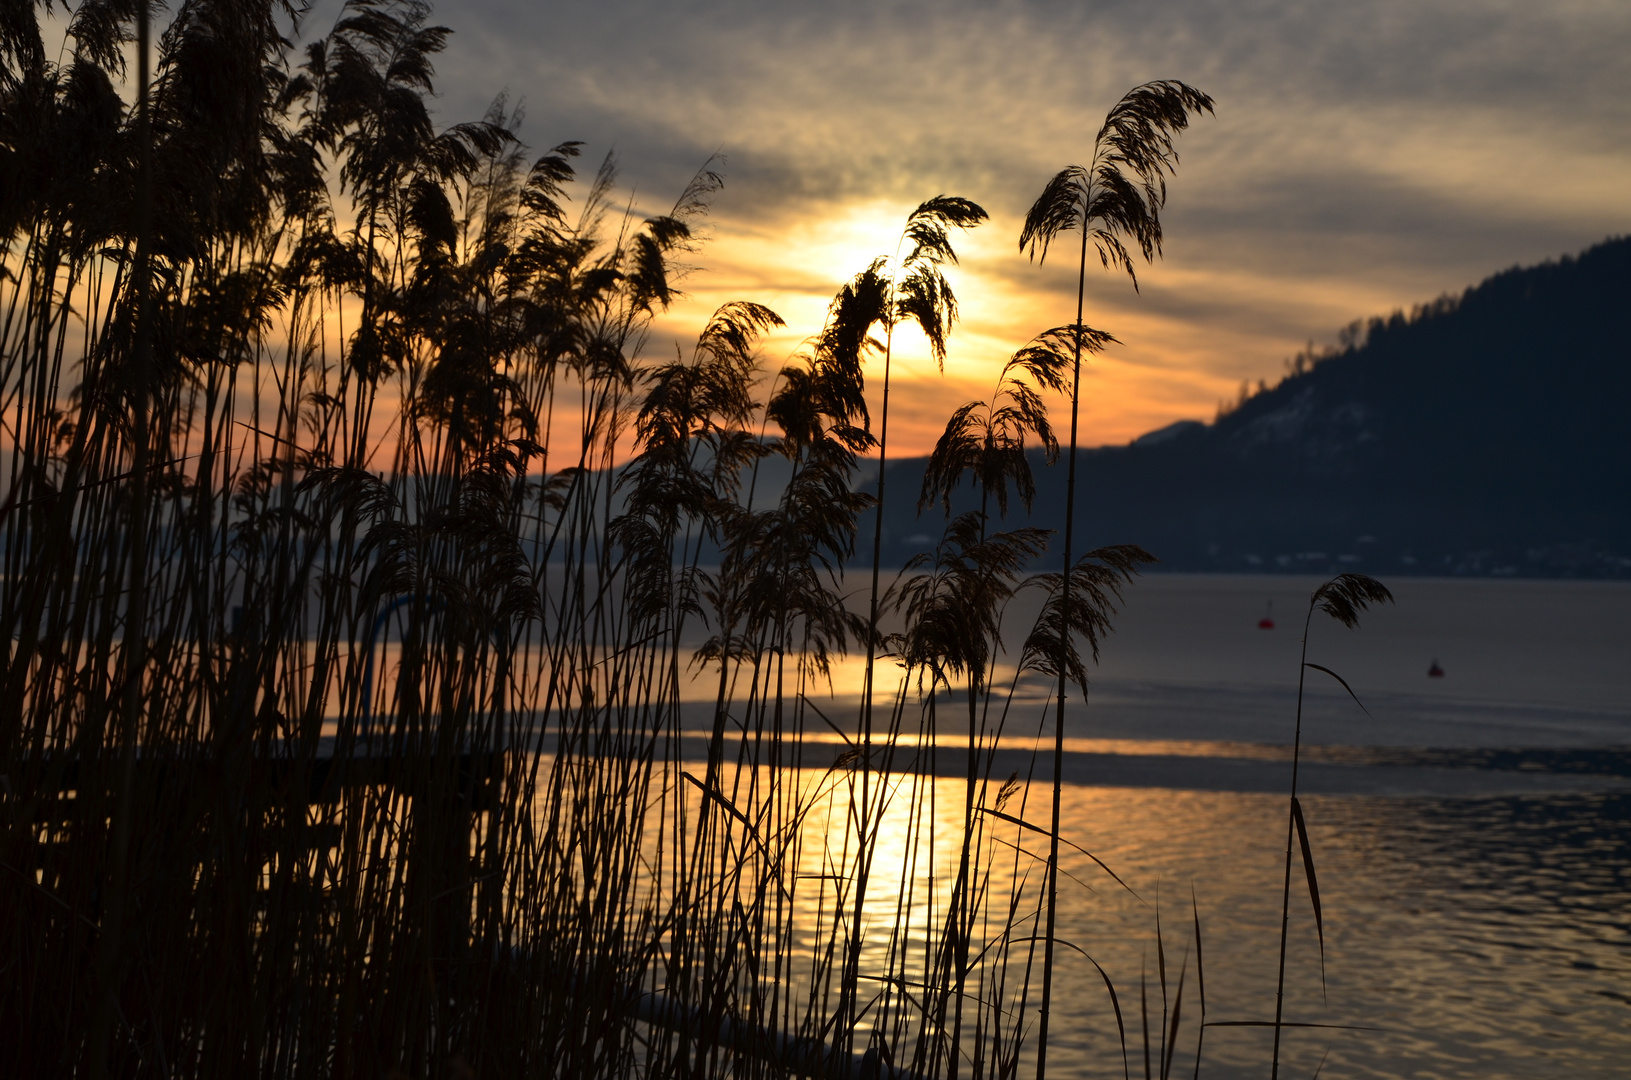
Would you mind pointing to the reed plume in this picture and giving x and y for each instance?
(1115, 199)
(412, 667)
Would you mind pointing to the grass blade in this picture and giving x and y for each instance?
(1200, 978)
(1344, 682)
(1144, 1013)
(1313, 882)
(1177, 1012)
(1044, 832)
(1161, 970)
(1115, 1003)
(730, 808)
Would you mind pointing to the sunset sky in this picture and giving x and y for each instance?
(1365, 156)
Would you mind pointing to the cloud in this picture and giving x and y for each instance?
(1365, 156)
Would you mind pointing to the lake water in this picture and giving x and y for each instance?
(1472, 833)
(1471, 830)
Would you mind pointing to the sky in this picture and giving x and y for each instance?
(1365, 156)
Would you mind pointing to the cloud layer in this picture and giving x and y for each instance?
(1365, 156)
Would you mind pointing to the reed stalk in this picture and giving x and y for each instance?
(1115, 200)
(1344, 598)
(410, 668)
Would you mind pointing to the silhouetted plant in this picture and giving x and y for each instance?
(1116, 198)
(987, 438)
(909, 288)
(344, 729)
(1344, 598)
(953, 621)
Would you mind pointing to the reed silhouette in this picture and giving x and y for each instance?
(350, 726)
(1344, 598)
(895, 289)
(1114, 200)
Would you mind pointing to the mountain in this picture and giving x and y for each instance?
(1483, 434)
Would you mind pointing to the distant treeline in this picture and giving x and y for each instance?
(1481, 434)
(1357, 334)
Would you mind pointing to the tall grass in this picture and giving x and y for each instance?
(351, 728)
(1114, 200)
(1344, 598)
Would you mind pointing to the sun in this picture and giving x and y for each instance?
(795, 262)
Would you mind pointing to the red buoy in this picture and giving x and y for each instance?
(1435, 672)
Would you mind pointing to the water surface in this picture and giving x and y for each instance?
(1472, 832)
(1475, 870)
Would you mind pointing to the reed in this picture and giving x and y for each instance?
(352, 727)
(1114, 200)
(1344, 598)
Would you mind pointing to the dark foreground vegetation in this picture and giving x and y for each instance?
(1480, 434)
(342, 728)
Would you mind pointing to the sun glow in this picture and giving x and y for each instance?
(797, 264)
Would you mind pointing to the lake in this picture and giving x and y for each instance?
(1472, 833)
(1471, 829)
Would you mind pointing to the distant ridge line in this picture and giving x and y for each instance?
(1484, 434)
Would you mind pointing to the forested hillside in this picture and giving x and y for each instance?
(1480, 434)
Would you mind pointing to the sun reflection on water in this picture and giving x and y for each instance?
(1478, 937)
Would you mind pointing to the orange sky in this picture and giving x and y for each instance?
(1365, 157)
(1160, 373)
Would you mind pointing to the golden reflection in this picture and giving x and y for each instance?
(1442, 943)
